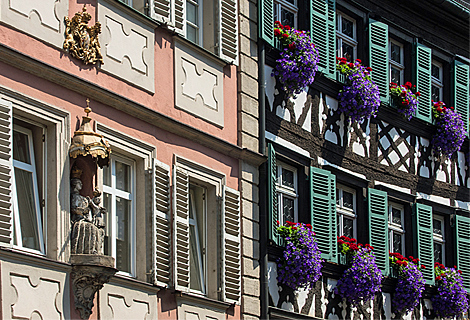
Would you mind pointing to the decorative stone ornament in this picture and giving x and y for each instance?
(81, 40)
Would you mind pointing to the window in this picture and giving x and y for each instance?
(438, 239)
(286, 188)
(139, 5)
(119, 195)
(397, 66)
(27, 213)
(285, 11)
(194, 16)
(436, 81)
(396, 228)
(346, 37)
(346, 211)
(197, 237)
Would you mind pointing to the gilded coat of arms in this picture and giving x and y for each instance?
(81, 40)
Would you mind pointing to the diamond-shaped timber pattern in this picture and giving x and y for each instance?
(395, 147)
(359, 134)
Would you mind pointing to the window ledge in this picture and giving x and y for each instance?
(201, 50)
(198, 300)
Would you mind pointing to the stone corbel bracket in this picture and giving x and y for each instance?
(89, 273)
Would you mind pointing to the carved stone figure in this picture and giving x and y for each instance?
(81, 40)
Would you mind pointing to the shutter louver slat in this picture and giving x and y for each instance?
(229, 31)
(378, 57)
(231, 251)
(162, 11)
(423, 82)
(424, 240)
(273, 216)
(323, 34)
(378, 227)
(461, 94)
(266, 21)
(179, 16)
(463, 248)
(6, 167)
(323, 206)
(181, 229)
(161, 207)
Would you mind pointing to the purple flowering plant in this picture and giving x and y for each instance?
(405, 98)
(300, 266)
(410, 285)
(363, 279)
(450, 132)
(296, 67)
(360, 98)
(451, 298)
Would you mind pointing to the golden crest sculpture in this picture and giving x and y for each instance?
(81, 40)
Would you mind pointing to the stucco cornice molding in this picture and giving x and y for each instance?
(50, 73)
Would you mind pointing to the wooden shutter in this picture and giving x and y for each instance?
(231, 274)
(161, 11)
(178, 15)
(273, 215)
(323, 206)
(423, 239)
(228, 33)
(462, 228)
(423, 59)
(378, 227)
(266, 21)
(323, 33)
(378, 57)
(461, 91)
(161, 218)
(6, 167)
(180, 229)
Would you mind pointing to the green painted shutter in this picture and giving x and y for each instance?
(423, 58)
(323, 33)
(323, 206)
(273, 215)
(266, 20)
(423, 239)
(378, 227)
(378, 57)
(461, 91)
(463, 248)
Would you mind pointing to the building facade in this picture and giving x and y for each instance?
(378, 181)
(163, 80)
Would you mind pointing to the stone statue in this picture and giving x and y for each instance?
(79, 205)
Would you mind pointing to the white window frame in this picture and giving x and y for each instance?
(114, 192)
(394, 228)
(440, 238)
(286, 191)
(435, 82)
(284, 4)
(341, 37)
(400, 65)
(16, 215)
(343, 212)
(200, 21)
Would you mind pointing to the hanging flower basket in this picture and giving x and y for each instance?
(405, 99)
(450, 132)
(410, 285)
(299, 59)
(300, 266)
(451, 298)
(363, 279)
(359, 99)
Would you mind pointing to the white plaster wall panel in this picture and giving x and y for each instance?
(120, 301)
(190, 308)
(330, 135)
(127, 45)
(41, 19)
(460, 169)
(199, 85)
(22, 281)
(272, 282)
(423, 169)
(271, 90)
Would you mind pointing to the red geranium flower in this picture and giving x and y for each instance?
(286, 27)
(285, 35)
(277, 32)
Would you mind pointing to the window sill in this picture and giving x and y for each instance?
(201, 50)
(200, 300)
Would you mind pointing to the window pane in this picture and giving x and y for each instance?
(107, 239)
(397, 243)
(191, 13)
(437, 226)
(287, 17)
(395, 75)
(196, 236)
(27, 209)
(107, 176)
(123, 176)
(21, 147)
(348, 227)
(348, 51)
(435, 72)
(435, 93)
(192, 34)
(195, 266)
(348, 200)
(288, 208)
(437, 252)
(395, 52)
(396, 216)
(347, 27)
(123, 232)
(288, 178)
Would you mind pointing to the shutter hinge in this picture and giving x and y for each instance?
(204, 197)
(43, 203)
(43, 138)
